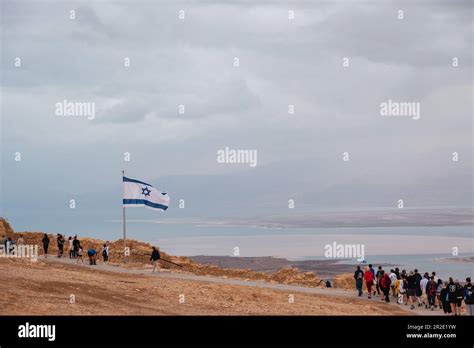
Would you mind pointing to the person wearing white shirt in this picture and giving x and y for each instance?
(423, 284)
(71, 248)
(10, 244)
(105, 252)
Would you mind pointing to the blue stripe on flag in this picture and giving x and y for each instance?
(125, 179)
(147, 203)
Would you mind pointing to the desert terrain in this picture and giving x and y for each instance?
(46, 288)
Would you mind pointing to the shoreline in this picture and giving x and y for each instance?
(416, 217)
(325, 269)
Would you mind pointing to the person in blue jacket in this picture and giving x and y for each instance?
(92, 253)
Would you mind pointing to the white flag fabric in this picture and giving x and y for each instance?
(140, 194)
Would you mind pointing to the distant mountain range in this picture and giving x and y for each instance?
(260, 192)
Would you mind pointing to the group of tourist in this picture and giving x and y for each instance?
(412, 288)
(74, 249)
(9, 244)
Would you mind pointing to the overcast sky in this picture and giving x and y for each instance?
(190, 61)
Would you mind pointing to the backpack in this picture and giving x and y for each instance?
(403, 286)
(417, 277)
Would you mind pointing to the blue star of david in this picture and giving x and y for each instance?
(146, 191)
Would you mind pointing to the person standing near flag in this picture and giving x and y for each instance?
(155, 258)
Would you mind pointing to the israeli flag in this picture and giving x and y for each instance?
(140, 194)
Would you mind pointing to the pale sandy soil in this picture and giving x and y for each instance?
(45, 288)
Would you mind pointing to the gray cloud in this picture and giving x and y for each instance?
(283, 62)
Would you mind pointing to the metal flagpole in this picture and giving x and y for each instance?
(123, 219)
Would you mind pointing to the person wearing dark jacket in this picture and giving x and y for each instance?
(60, 241)
(459, 297)
(418, 292)
(445, 299)
(469, 297)
(92, 254)
(378, 278)
(453, 295)
(385, 286)
(75, 245)
(359, 277)
(45, 241)
(411, 289)
(155, 258)
(431, 289)
(438, 293)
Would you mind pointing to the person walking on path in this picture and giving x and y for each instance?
(403, 290)
(373, 276)
(418, 292)
(70, 247)
(79, 254)
(155, 258)
(452, 296)
(431, 289)
(105, 252)
(411, 289)
(369, 280)
(75, 244)
(423, 287)
(459, 296)
(60, 241)
(45, 241)
(438, 293)
(393, 277)
(10, 245)
(445, 299)
(385, 285)
(20, 241)
(469, 297)
(378, 278)
(398, 295)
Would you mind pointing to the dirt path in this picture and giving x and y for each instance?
(332, 292)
